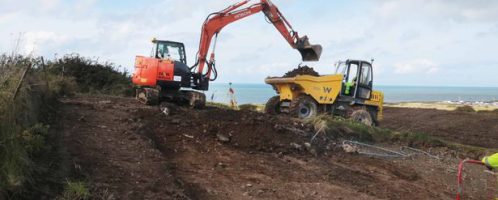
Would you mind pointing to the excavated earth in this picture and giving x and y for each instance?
(471, 128)
(301, 70)
(130, 151)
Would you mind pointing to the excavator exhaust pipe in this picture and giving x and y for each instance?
(308, 52)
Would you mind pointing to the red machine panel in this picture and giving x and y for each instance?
(165, 71)
(149, 70)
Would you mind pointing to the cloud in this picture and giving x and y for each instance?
(420, 66)
(34, 40)
(442, 10)
(407, 37)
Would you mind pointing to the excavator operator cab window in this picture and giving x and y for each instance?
(171, 50)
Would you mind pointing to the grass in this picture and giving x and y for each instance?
(30, 153)
(218, 105)
(23, 135)
(442, 106)
(337, 127)
(75, 190)
(251, 107)
(465, 108)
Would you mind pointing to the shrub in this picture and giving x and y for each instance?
(218, 105)
(23, 135)
(33, 139)
(91, 76)
(75, 190)
(28, 152)
(465, 108)
(250, 107)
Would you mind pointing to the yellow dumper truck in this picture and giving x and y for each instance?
(348, 93)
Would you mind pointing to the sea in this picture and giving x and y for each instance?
(253, 93)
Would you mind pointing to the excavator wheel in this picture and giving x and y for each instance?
(272, 107)
(362, 116)
(147, 96)
(303, 107)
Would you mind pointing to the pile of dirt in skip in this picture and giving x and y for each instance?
(301, 70)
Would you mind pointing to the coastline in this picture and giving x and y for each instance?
(446, 105)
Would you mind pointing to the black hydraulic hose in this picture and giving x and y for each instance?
(200, 39)
(213, 70)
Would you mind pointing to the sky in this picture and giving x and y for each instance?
(413, 42)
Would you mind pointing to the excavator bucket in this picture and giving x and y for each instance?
(308, 52)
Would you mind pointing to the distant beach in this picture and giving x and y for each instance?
(260, 93)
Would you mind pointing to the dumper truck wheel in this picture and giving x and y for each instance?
(363, 117)
(303, 107)
(272, 106)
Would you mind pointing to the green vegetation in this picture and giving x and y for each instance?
(31, 158)
(252, 107)
(91, 76)
(218, 105)
(75, 190)
(488, 111)
(441, 106)
(337, 127)
(465, 109)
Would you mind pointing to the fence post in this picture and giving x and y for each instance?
(44, 68)
(20, 82)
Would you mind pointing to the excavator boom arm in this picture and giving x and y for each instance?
(218, 20)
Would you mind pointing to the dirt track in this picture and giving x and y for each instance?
(478, 129)
(130, 151)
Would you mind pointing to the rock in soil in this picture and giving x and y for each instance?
(222, 138)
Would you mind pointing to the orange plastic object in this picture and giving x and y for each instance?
(149, 70)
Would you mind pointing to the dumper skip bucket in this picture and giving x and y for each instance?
(308, 52)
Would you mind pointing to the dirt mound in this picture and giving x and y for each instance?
(301, 70)
(245, 129)
(463, 126)
(134, 151)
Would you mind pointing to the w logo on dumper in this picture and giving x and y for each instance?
(327, 90)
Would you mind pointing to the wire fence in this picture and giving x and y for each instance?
(378, 151)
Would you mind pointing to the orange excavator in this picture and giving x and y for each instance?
(165, 76)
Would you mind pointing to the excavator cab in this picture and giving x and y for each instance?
(308, 52)
(164, 49)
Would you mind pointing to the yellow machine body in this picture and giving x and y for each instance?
(323, 89)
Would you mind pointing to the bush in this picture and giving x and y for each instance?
(29, 153)
(64, 86)
(249, 107)
(91, 76)
(33, 139)
(24, 146)
(218, 105)
(465, 108)
(337, 127)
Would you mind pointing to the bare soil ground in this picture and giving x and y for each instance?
(471, 128)
(130, 151)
